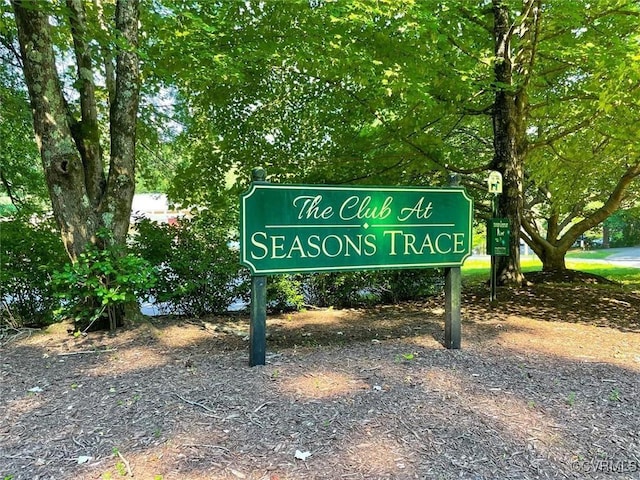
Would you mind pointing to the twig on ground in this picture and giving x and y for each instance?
(410, 429)
(19, 457)
(126, 464)
(261, 407)
(81, 352)
(196, 445)
(377, 367)
(313, 307)
(191, 402)
(78, 443)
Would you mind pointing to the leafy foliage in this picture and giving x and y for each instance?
(102, 280)
(353, 289)
(285, 293)
(355, 101)
(198, 267)
(403, 92)
(21, 176)
(624, 228)
(29, 252)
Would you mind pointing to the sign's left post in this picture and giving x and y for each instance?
(258, 324)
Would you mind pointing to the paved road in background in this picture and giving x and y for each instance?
(628, 257)
(625, 257)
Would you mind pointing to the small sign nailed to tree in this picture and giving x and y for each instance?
(320, 228)
(494, 182)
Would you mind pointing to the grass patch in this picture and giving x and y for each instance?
(624, 275)
(592, 254)
(477, 270)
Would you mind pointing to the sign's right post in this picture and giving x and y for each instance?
(452, 298)
(452, 305)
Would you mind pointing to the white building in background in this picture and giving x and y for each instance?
(155, 206)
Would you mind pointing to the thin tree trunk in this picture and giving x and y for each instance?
(63, 165)
(86, 132)
(124, 111)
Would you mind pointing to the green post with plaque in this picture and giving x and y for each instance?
(329, 228)
(498, 232)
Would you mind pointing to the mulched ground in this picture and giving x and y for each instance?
(546, 385)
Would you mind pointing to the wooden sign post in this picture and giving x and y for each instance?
(258, 312)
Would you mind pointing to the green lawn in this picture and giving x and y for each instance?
(592, 254)
(477, 270)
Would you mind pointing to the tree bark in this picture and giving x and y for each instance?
(84, 199)
(86, 132)
(553, 259)
(124, 111)
(508, 139)
(63, 165)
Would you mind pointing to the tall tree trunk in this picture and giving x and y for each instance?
(507, 139)
(606, 236)
(124, 111)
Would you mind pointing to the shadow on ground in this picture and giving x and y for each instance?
(540, 390)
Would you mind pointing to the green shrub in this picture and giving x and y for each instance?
(199, 273)
(101, 281)
(353, 289)
(199, 270)
(339, 289)
(406, 285)
(29, 252)
(284, 293)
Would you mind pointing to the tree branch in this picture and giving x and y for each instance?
(564, 133)
(15, 54)
(124, 112)
(110, 75)
(611, 205)
(15, 201)
(86, 134)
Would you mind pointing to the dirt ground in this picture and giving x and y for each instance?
(546, 385)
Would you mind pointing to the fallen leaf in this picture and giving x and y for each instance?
(302, 455)
(237, 473)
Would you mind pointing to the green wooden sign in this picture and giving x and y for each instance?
(321, 228)
(498, 237)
